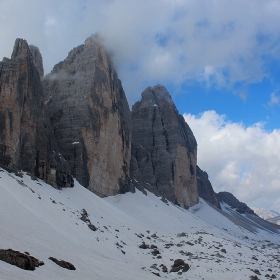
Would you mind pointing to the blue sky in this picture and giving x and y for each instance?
(220, 60)
(255, 107)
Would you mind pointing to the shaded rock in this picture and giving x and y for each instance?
(91, 118)
(205, 188)
(37, 59)
(27, 141)
(254, 277)
(232, 201)
(63, 263)
(144, 246)
(164, 268)
(23, 261)
(164, 148)
(178, 265)
(92, 227)
(155, 252)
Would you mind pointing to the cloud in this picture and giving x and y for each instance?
(242, 160)
(219, 42)
(274, 99)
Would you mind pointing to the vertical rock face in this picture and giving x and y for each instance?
(205, 188)
(163, 148)
(37, 60)
(91, 118)
(26, 138)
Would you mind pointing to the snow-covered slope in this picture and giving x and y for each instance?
(45, 222)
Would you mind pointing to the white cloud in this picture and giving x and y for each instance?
(170, 41)
(242, 160)
(274, 99)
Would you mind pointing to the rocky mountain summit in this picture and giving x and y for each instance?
(163, 148)
(91, 118)
(76, 122)
(27, 141)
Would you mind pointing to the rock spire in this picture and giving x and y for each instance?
(91, 118)
(27, 141)
(163, 149)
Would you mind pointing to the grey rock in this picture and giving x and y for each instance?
(27, 141)
(91, 118)
(232, 201)
(37, 59)
(164, 148)
(63, 263)
(205, 188)
(21, 260)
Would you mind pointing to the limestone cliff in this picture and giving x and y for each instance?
(205, 188)
(37, 59)
(91, 118)
(26, 139)
(163, 148)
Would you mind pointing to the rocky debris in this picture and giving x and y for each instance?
(91, 118)
(164, 268)
(92, 227)
(155, 252)
(232, 201)
(205, 188)
(254, 277)
(178, 265)
(256, 271)
(84, 218)
(144, 246)
(63, 263)
(21, 260)
(37, 60)
(164, 148)
(156, 273)
(27, 141)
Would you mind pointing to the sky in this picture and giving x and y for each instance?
(219, 59)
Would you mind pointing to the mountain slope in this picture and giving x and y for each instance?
(46, 222)
(264, 213)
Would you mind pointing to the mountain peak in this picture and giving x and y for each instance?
(155, 96)
(21, 48)
(94, 38)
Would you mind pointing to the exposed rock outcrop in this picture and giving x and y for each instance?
(21, 260)
(91, 118)
(163, 148)
(232, 201)
(63, 263)
(26, 138)
(37, 59)
(205, 188)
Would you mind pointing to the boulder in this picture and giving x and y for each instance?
(21, 260)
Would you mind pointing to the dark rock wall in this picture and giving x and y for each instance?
(205, 188)
(91, 118)
(26, 138)
(232, 201)
(37, 60)
(164, 148)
